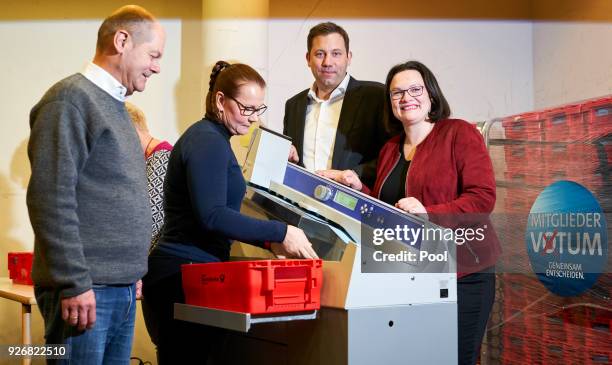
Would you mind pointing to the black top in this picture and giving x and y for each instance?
(204, 189)
(394, 187)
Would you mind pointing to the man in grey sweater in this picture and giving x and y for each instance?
(87, 197)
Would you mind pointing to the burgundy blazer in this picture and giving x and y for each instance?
(451, 174)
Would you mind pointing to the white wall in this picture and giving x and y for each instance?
(572, 62)
(484, 67)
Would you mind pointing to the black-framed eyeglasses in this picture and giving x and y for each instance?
(413, 91)
(247, 111)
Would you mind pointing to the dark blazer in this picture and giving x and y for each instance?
(360, 135)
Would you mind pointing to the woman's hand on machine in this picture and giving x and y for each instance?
(344, 177)
(295, 244)
(411, 205)
(278, 250)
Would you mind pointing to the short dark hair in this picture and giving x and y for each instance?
(439, 106)
(325, 29)
(228, 78)
(132, 18)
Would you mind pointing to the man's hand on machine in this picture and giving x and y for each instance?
(346, 177)
(293, 155)
(295, 245)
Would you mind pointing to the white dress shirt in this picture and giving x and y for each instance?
(320, 127)
(105, 81)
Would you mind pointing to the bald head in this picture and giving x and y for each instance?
(134, 19)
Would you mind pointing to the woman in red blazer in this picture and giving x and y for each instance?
(439, 167)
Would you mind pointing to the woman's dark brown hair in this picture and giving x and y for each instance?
(439, 106)
(228, 78)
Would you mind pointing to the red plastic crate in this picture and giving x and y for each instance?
(561, 353)
(523, 283)
(554, 329)
(554, 172)
(514, 130)
(597, 116)
(546, 175)
(564, 124)
(527, 126)
(516, 344)
(541, 165)
(515, 176)
(594, 339)
(20, 267)
(598, 356)
(584, 166)
(520, 200)
(517, 206)
(585, 151)
(593, 182)
(607, 145)
(555, 153)
(257, 287)
(534, 155)
(516, 158)
(521, 349)
(584, 157)
(539, 177)
(598, 328)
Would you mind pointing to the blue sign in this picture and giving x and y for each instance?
(566, 238)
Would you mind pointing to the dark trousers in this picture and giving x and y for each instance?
(475, 296)
(178, 342)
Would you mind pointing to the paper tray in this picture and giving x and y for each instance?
(236, 321)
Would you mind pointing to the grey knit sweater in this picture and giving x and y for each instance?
(87, 197)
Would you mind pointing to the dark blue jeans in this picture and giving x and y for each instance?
(108, 342)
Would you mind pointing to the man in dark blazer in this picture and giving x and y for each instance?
(337, 123)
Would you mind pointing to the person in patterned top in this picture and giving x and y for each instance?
(156, 155)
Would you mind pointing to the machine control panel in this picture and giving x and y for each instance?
(352, 203)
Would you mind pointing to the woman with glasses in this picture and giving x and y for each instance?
(439, 167)
(204, 189)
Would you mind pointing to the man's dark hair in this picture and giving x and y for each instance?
(325, 29)
(439, 106)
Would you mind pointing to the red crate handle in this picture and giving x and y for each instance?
(268, 279)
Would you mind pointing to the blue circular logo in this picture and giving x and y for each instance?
(566, 238)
